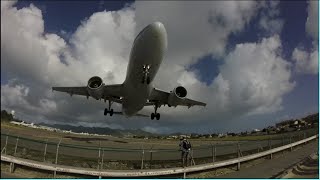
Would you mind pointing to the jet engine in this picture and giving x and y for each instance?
(176, 95)
(95, 87)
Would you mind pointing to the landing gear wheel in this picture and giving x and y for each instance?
(105, 111)
(109, 110)
(157, 116)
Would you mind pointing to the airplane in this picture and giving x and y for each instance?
(137, 90)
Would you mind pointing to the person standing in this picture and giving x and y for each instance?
(185, 147)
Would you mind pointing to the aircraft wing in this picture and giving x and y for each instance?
(110, 92)
(72, 90)
(161, 98)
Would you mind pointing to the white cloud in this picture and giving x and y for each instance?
(271, 25)
(256, 77)
(252, 81)
(312, 24)
(6, 5)
(14, 95)
(305, 62)
(103, 43)
(195, 28)
(270, 20)
(48, 105)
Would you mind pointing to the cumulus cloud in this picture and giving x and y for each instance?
(15, 96)
(206, 29)
(312, 24)
(270, 20)
(256, 76)
(252, 80)
(306, 61)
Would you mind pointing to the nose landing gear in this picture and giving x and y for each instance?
(146, 77)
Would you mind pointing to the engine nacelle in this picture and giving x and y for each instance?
(177, 95)
(95, 87)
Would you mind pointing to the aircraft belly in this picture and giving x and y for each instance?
(133, 104)
(135, 99)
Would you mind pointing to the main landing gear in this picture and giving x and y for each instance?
(109, 110)
(146, 77)
(155, 114)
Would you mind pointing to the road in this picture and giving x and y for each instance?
(271, 168)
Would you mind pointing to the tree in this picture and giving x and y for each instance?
(5, 116)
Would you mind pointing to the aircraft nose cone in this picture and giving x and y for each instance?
(160, 31)
(157, 25)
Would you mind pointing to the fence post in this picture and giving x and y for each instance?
(212, 152)
(142, 158)
(240, 150)
(269, 143)
(192, 163)
(57, 152)
(270, 146)
(11, 167)
(291, 143)
(282, 143)
(151, 158)
(238, 166)
(215, 153)
(15, 149)
(300, 136)
(45, 151)
(5, 147)
(99, 156)
(260, 148)
(102, 159)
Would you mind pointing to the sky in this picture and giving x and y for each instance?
(254, 63)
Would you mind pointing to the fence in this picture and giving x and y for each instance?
(113, 158)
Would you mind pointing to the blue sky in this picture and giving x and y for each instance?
(205, 65)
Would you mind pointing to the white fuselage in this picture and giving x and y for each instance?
(148, 49)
